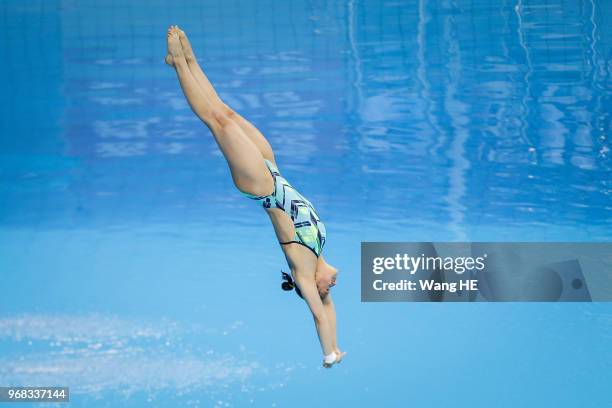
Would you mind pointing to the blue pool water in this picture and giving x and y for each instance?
(133, 272)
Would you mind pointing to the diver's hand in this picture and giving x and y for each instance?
(339, 356)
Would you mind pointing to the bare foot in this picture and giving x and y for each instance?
(189, 55)
(175, 50)
(168, 58)
(187, 50)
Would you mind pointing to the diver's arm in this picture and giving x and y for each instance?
(319, 313)
(330, 310)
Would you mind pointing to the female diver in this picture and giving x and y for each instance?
(298, 228)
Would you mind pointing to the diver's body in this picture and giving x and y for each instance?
(254, 172)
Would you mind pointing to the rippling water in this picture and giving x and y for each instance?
(419, 120)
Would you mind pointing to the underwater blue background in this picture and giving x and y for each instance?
(132, 271)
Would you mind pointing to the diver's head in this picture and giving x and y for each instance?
(289, 284)
(325, 278)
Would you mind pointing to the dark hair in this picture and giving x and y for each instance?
(288, 284)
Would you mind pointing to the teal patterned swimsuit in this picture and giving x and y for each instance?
(309, 230)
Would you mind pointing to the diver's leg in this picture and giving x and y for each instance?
(247, 127)
(249, 171)
(254, 134)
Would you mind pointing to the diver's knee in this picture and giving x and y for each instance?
(221, 118)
